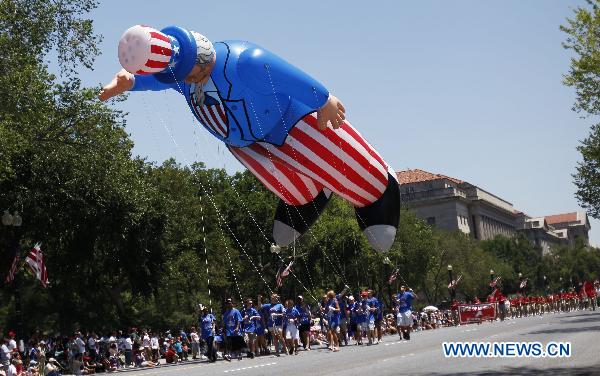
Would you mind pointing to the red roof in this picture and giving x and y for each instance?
(417, 176)
(561, 218)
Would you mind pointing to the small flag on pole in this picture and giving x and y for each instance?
(454, 282)
(495, 281)
(12, 272)
(393, 276)
(523, 283)
(282, 273)
(35, 260)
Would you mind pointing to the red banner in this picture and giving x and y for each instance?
(473, 313)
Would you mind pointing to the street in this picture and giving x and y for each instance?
(423, 354)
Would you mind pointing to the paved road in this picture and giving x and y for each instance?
(423, 354)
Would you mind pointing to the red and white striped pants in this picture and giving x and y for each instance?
(310, 160)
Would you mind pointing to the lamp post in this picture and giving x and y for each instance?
(560, 281)
(450, 280)
(15, 221)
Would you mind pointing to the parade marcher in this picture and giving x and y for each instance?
(333, 320)
(305, 321)
(405, 322)
(251, 318)
(232, 320)
(207, 323)
(292, 318)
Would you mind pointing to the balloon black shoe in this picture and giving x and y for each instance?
(293, 221)
(379, 221)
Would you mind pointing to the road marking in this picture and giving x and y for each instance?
(494, 336)
(398, 357)
(251, 367)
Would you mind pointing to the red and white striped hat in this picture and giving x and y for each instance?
(145, 50)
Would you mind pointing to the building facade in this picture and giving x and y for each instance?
(452, 204)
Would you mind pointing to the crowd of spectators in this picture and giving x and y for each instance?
(257, 328)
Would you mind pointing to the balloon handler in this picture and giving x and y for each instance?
(279, 122)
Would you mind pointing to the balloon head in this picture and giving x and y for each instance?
(168, 54)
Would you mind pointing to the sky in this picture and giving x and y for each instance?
(468, 89)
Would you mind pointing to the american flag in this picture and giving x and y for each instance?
(12, 272)
(495, 281)
(454, 282)
(35, 260)
(282, 273)
(523, 283)
(393, 276)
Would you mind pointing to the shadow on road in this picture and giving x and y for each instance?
(565, 330)
(590, 318)
(571, 371)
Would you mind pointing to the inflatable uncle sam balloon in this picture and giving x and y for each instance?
(278, 121)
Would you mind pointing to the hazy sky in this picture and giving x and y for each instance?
(469, 89)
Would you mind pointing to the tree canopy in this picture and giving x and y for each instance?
(133, 242)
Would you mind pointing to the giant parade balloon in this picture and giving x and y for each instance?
(279, 122)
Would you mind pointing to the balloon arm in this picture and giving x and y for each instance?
(149, 82)
(122, 82)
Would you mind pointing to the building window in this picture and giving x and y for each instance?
(431, 221)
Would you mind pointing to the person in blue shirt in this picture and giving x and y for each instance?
(291, 321)
(276, 313)
(374, 316)
(251, 322)
(262, 325)
(232, 320)
(207, 326)
(332, 312)
(352, 327)
(405, 320)
(305, 321)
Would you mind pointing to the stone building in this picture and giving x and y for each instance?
(453, 204)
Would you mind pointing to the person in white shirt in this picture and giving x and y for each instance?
(80, 343)
(154, 345)
(146, 346)
(12, 369)
(12, 344)
(5, 354)
(127, 352)
(195, 343)
(92, 345)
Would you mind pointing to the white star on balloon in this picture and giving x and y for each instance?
(176, 49)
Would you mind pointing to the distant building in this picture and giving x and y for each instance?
(452, 204)
(575, 225)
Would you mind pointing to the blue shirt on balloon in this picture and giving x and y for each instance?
(253, 95)
(405, 301)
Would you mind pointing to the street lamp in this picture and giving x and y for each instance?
(450, 283)
(387, 261)
(15, 220)
(491, 275)
(275, 249)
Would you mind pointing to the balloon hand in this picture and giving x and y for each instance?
(332, 112)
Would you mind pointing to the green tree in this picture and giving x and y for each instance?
(583, 36)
